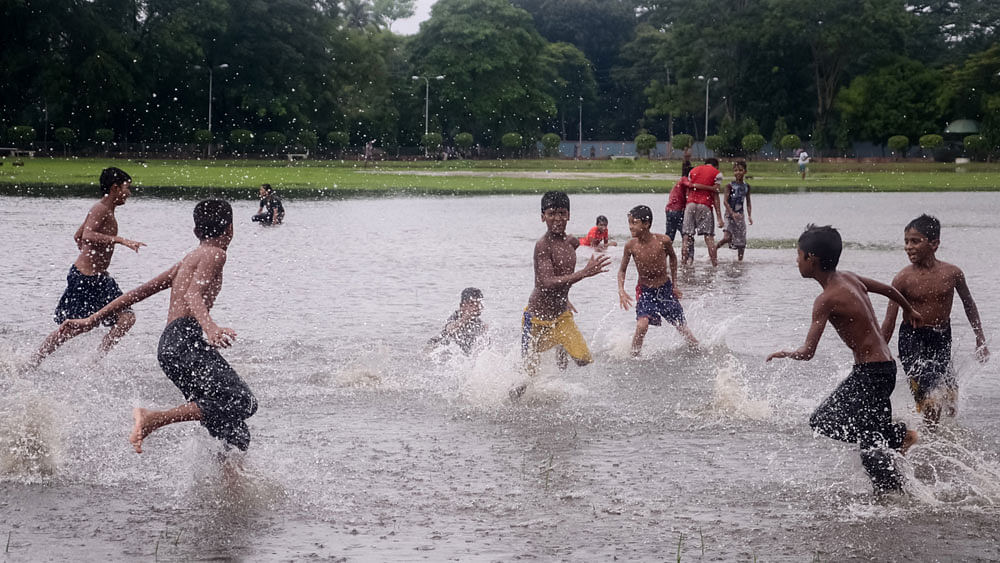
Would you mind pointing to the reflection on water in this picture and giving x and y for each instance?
(367, 448)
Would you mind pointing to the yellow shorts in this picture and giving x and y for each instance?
(539, 335)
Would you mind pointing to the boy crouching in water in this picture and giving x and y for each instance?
(656, 295)
(859, 409)
(216, 395)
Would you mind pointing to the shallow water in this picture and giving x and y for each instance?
(366, 448)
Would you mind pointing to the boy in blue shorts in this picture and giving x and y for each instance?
(656, 295)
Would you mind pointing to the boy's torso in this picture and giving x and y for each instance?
(853, 317)
(931, 291)
(184, 281)
(549, 303)
(95, 258)
(650, 260)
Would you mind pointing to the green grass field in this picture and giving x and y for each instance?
(335, 178)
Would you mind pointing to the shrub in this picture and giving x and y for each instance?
(432, 141)
(308, 139)
(931, 142)
(274, 139)
(976, 146)
(752, 143)
(22, 135)
(201, 136)
(338, 140)
(790, 142)
(644, 142)
(714, 142)
(899, 144)
(104, 136)
(65, 135)
(464, 140)
(241, 138)
(511, 140)
(551, 143)
(683, 141)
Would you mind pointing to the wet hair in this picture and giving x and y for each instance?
(741, 164)
(555, 200)
(642, 213)
(267, 188)
(471, 294)
(111, 176)
(712, 161)
(211, 218)
(602, 219)
(927, 225)
(823, 243)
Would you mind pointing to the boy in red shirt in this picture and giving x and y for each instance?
(598, 235)
(702, 196)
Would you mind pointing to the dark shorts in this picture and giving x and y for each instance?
(86, 295)
(925, 353)
(204, 376)
(675, 220)
(652, 302)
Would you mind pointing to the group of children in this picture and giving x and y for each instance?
(859, 410)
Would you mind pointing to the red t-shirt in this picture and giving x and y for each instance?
(594, 236)
(678, 196)
(707, 175)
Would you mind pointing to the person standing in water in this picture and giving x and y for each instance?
(737, 214)
(859, 409)
(216, 395)
(89, 286)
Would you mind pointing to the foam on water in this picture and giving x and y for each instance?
(30, 438)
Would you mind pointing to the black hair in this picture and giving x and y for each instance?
(111, 176)
(927, 225)
(555, 200)
(211, 218)
(267, 188)
(742, 164)
(601, 219)
(471, 293)
(712, 161)
(823, 243)
(642, 213)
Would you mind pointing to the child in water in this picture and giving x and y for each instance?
(598, 235)
(465, 326)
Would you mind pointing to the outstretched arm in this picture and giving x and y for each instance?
(90, 231)
(821, 314)
(909, 313)
(546, 278)
(972, 313)
(73, 327)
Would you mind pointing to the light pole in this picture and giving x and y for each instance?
(579, 142)
(427, 102)
(210, 70)
(707, 82)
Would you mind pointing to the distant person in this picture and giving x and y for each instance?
(465, 326)
(216, 395)
(702, 197)
(686, 165)
(656, 294)
(271, 211)
(859, 410)
(676, 202)
(598, 235)
(925, 351)
(548, 318)
(737, 194)
(803, 161)
(89, 286)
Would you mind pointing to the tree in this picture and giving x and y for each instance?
(683, 141)
(66, 136)
(898, 144)
(274, 140)
(571, 81)
(308, 139)
(931, 141)
(22, 135)
(790, 142)
(550, 141)
(644, 143)
(752, 143)
(973, 91)
(432, 142)
(714, 143)
(241, 139)
(464, 141)
(512, 142)
(977, 146)
(338, 140)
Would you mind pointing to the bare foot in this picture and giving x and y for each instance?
(908, 440)
(139, 430)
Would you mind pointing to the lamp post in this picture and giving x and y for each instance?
(210, 71)
(427, 102)
(579, 142)
(707, 82)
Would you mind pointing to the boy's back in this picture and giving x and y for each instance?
(846, 305)
(197, 282)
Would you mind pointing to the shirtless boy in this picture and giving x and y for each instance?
(656, 294)
(925, 352)
(548, 320)
(216, 394)
(88, 284)
(859, 409)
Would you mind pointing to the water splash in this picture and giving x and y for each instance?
(730, 397)
(30, 441)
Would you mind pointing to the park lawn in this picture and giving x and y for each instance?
(325, 178)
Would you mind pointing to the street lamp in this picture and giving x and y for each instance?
(579, 142)
(707, 82)
(210, 70)
(427, 102)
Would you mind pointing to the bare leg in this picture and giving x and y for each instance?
(725, 238)
(739, 254)
(641, 326)
(713, 253)
(687, 251)
(931, 411)
(54, 340)
(908, 440)
(146, 421)
(125, 321)
(692, 342)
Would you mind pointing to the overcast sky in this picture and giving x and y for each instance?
(409, 26)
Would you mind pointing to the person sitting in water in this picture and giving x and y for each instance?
(465, 326)
(598, 235)
(271, 211)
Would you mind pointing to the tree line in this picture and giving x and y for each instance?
(332, 73)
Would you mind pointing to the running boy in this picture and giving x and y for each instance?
(89, 286)
(737, 191)
(702, 196)
(859, 410)
(656, 295)
(598, 235)
(215, 393)
(548, 320)
(465, 326)
(925, 352)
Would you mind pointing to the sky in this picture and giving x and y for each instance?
(409, 26)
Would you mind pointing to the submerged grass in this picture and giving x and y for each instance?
(336, 178)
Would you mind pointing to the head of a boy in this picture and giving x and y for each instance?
(265, 190)
(819, 249)
(472, 301)
(640, 219)
(555, 211)
(713, 162)
(115, 182)
(921, 238)
(213, 218)
(739, 170)
(602, 223)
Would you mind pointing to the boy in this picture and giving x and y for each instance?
(465, 326)
(925, 352)
(548, 320)
(737, 191)
(598, 235)
(676, 202)
(859, 410)
(215, 393)
(655, 293)
(271, 211)
(803, 161)
(89, 286)
(702, 196)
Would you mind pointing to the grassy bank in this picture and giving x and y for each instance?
(240, 178)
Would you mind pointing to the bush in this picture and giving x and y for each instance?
(464, 140)
(274, 139)
(644, 142)
(752, 143)
(338, 140)
(931, 142)
(511, 140)
(432, 142)
(201, 137)
(65, 135)
(898, 144)
(790, 142)
(22, 135)
(308, 139)
(241, 138)
(551, 143)
(683, 141)
(714, 143)
(976, 146)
